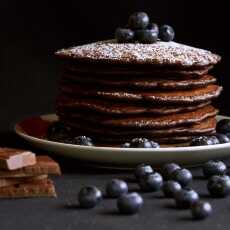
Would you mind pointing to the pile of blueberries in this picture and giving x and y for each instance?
(61, 133)
(174, 182)
(140, 29)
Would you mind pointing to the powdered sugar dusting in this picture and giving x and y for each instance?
(159, 53)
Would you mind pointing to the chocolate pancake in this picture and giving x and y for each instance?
(139, 122)
(156, 54)
(69, 105)
(206, 126)
(189, 96)
(140, 83)
(111, 71)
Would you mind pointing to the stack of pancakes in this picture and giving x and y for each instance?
(115, 92)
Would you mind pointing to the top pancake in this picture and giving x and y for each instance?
(158, 54)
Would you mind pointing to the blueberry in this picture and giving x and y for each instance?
(146, 36)
(166, 33)
(219, 186)
(151, 182)
(202, 140)
(116, 188)
(214, 140)
(170, 187)
(214, 167)
(185, 198)
(222, 138)
(228, 134)
(125, 145)
(168, 169)
(182, 176)
(130, 203)
(143, 143)
(223, 126)
(58, 131)
(138, 20)
(154, 27)
(201, 210)
(142, 170)
(83, 140)
(124, 35)
(89, 197)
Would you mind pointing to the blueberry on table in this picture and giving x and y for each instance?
(153, 27)
(83, 140)
(116, 188)
(143, 143)
(138, 20)
(151, 182)
(170, 187)
(124, 35)
(142, 170)
(185, 198)
(202, 140)
(166, 33)
(130, 203)
(168, 169)
(214, 167)
(125, 145)
(222, 138)
(182, 176)
(219, 186)
(89, 197)
(223, 126)
(201, 210)
(146, 36)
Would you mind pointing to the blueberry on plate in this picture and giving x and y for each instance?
(130, 203)
(125, 145)
(138, 20)
(168, 169)
(89, 197)
(223, 126)
(57, 131)
(185, 198)
(182, 176)
(201, 210)
(143, 170)
(154, 27)
(151, 182)
(143, 143)
(166, 33)
(124, 35)
(222, 138)
(219, 186)
(228, 135)
(116, 188)
(215, 140)
(146, 36)
(202, 140)
(214, 167)
(170, 187)
(83, 140)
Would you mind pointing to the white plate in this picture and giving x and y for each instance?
(32, 129)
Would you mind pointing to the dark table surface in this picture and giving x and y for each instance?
(63, 212)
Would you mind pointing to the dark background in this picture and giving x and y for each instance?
(32, 30)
